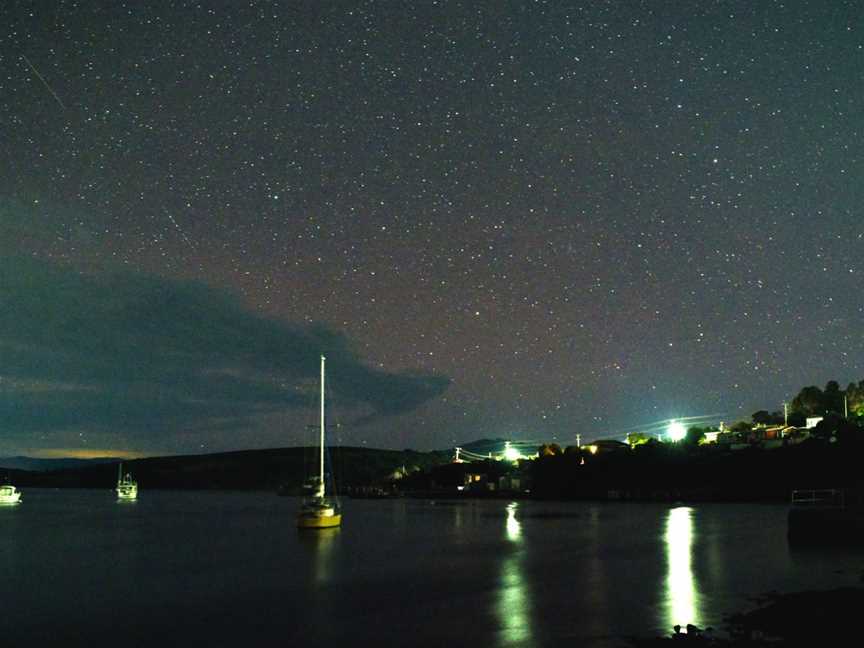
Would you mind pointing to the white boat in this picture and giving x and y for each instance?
(127, 488)
(318, 511)
(9, 494)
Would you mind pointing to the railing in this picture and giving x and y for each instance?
(832, 497)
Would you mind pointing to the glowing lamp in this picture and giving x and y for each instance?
(676, 431)
(511, 453)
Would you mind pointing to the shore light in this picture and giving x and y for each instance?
(511, 453)
(676, 431)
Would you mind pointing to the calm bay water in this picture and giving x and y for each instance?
(231, 569)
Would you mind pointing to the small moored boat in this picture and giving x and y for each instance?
(127, 488)
(9, 494)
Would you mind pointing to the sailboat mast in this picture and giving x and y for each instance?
(321, 458)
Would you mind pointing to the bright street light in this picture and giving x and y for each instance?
(511, 453)
(676, 431)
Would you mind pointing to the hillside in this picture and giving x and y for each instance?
(44, 465)
(241, 470)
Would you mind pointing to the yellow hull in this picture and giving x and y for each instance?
(318, 521)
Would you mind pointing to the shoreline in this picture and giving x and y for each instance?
(780, 620)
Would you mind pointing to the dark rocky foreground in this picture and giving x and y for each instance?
(814, 618)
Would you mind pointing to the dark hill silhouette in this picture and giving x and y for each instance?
(242, 470)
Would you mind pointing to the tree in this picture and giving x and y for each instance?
(762, 417)
(796, 419)
(638, 438)
(740, 426)
(833, 397)
(809, 401)
(694, 436)
(549, 450)
(855, 397)
(827, 428)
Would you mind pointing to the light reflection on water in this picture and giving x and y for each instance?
(195, 567)
(514, 527)
(595, 582)
(681, 592)
(514, 609)
(321, 543)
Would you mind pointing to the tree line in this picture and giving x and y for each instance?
(813, 401)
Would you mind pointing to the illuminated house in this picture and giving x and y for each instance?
(767, 436)
(467, 476)
(712, 436)
(478, 479)
(771, 433)
(605, 446)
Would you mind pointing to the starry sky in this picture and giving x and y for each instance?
(496, 218)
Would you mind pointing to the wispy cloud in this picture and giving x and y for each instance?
(150, 356)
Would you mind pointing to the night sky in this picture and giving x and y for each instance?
(522, 220)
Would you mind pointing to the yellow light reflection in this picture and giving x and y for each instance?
(514, 614)
(682, 595)
(514, 598)
(322, 543)
(514, 527)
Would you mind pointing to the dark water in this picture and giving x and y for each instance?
(231, 569)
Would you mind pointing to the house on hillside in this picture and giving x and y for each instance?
(478, 480)
(794, 436)
(475, 477)
(712, 436)
(766, 436)
(605, 446)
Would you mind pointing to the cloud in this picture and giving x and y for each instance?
(148, 355)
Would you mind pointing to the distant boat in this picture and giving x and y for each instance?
(9, 494)
(318, 511)
(127, 488)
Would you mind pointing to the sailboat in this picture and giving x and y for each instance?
(319, 511)
(127, 488)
